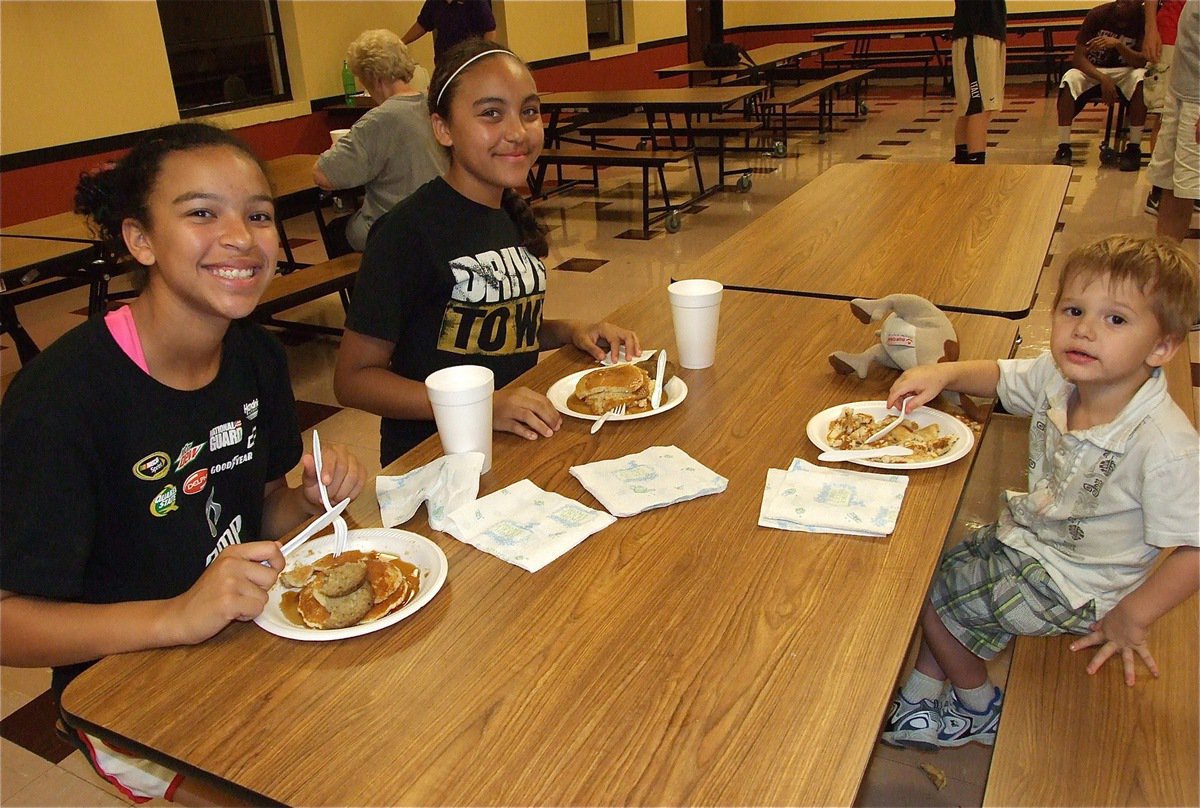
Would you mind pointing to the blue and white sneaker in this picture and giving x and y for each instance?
(960, 725)
(916, 726)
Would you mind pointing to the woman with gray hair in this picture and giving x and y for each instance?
(390, 151)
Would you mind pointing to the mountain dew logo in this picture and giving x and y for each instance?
(165, 501)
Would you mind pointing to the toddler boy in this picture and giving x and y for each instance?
(1113, 480)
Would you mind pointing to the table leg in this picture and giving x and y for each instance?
(27, 349)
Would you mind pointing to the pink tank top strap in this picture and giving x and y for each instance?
(123, 329)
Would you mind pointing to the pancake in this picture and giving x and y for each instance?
(355, 587)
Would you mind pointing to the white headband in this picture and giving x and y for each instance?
(454, 75)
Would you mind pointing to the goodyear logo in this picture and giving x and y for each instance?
(152, 466)
(195, 482)
(165, 501)
(187, 454)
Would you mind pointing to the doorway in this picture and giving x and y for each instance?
(705, 24)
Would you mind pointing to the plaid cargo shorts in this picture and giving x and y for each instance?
(986, 593)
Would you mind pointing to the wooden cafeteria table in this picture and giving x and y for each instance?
(654, 101)
(664, 101)
(43, 257)
(969, 238)
(295, 193)
(766, 59)
(683, 656)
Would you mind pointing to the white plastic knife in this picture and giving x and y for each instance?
(656, 397)
(322, 521)
(838, 455)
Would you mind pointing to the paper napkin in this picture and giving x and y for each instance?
(645, 354)
(524, 525)
(446, 484)
(815, 499)
(654, 478)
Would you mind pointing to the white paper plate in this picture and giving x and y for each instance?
(818, 428)
(419, 551)
(675, 390)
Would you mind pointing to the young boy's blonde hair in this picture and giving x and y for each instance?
(1161, 268)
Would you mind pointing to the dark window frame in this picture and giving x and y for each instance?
(273, 39)
(611, 41)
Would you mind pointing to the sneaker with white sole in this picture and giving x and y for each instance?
(1152, 201)
(913, 725)
(960, 725)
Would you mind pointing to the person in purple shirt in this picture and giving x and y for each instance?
(452, 21)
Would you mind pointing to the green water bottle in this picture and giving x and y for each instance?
(348, 87)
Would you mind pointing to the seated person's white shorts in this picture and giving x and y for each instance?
(1126, 78)
(1176, 161)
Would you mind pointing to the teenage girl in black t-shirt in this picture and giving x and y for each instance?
(161, 435)
(433, 292)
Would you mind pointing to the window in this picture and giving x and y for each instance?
(226, 55)
(605, 25)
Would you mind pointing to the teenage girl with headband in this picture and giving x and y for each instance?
(452, 275)
(145, 452)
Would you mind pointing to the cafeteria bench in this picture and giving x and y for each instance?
(718, 130)
(306, 284)
(599, 158)
(823, 90)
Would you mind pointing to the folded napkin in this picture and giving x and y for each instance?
(822, 500)
(645, 354)
(654, 478)
(524, 525)
(447, 484)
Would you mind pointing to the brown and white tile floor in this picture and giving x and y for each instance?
(593, 271)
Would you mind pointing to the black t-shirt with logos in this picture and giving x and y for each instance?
(447, 280)
(118, 488)
(1107, 20)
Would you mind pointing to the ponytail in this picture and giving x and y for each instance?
(533, 237)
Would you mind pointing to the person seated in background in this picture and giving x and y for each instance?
(391, 151)
(1107, 60)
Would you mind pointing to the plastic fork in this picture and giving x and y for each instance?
(889, 427)
(617, 410)
(340, 530)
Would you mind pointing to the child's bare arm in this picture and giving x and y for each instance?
(1126, 627)
(363, 379)
(36, 632)
(977, 377)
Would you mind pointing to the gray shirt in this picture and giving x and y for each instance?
(1102, 501)
(1185, 78)
(391, 152)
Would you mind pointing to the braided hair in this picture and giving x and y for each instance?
(446, 75)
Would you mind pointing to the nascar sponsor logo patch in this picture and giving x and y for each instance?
(187, 454)
(152, 466)
(195, 482)
(165, 501)
(229, 434)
